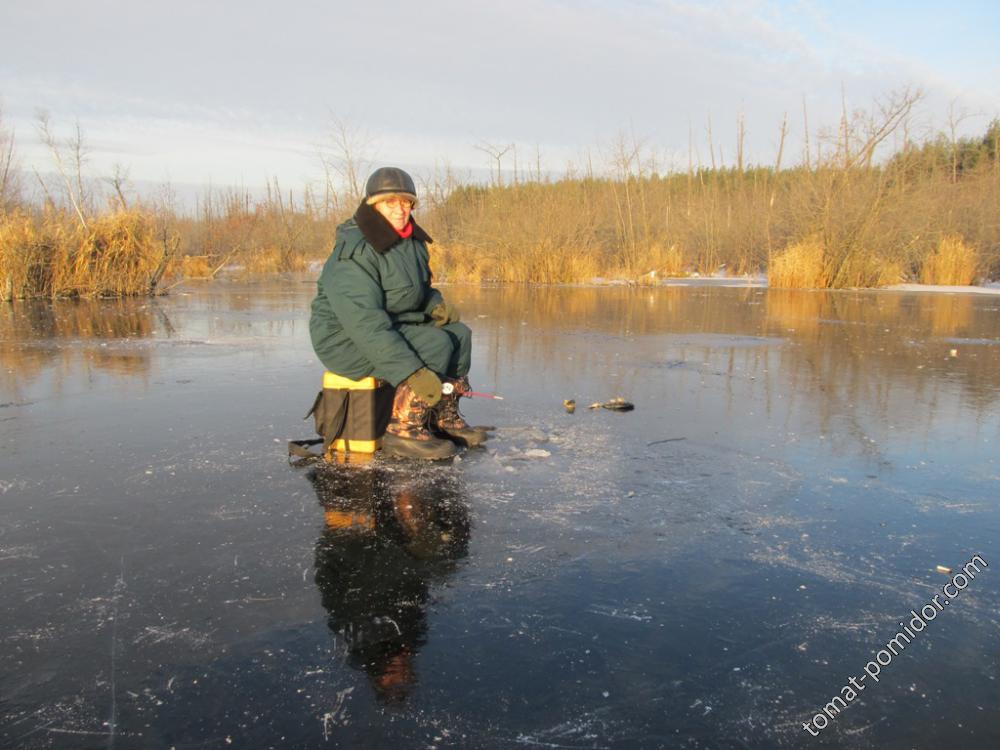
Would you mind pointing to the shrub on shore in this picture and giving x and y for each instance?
(51, 254)
(954, 263)
(801, 265)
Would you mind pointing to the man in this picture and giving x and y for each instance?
(376, 313)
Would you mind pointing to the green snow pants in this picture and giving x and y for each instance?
(446, 350)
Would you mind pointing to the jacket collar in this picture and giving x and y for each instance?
(379, 233)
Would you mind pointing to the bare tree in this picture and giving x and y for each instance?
(9, 174)
(75, 195)
(496, 153)
(955, 120)
(628, 161)
(347, 154)
(741, 133)
(783, 133)
(78, 155)
(291, 226)
(883, 122)
(805, 132)
(862, 133)
(439, 185)
(119, 181)
(711, 144)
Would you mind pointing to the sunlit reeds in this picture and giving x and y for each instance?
(874, 226)
(50, 254)
(272, 260)
(801, 265)
(954, 263)
(192, 267)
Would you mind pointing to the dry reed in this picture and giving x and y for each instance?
(954, 263)
(51, 255)
(193, 267)
(272, 260)
(800, 266)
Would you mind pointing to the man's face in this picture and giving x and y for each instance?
(396, 210)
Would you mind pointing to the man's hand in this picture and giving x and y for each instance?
(445, 313)
(426, 386)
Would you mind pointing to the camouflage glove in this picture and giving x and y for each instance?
(445, 313)
(425, 385)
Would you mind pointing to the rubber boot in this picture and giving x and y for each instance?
(449, 419)
(407, 436)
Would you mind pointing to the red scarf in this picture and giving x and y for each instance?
(406, 231)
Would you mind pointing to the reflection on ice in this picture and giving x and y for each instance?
(389, 537)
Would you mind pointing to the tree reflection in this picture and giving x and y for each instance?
(72, 335)
(388, 539)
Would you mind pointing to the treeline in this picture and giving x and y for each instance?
(846, 215)
(927, 214)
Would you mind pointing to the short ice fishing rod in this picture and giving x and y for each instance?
(449, 388)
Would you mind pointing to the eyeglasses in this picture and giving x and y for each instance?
(404, 204)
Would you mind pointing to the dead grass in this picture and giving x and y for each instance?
(954, 263)
(271, 260)
(194, 267)
(668, 261)
(53, 255)
(458, 262)
(801, 265)
(808, 265)
(862, 269)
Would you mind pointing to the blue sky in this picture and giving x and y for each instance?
(236, 92)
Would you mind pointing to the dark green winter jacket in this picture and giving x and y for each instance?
(373, 281)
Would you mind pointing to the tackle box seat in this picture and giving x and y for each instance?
(369, 409)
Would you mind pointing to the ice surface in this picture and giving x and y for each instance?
(704, 571)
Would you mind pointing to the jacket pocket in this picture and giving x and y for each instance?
(401, 295)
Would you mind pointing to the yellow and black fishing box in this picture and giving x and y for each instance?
(351, 415)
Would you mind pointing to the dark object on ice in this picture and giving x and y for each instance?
(570, 405)
(666, 440)
(615, 404)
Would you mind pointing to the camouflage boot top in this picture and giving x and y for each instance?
(450, 420)
(409, 416)
(446, 411)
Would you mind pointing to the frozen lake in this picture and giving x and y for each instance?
(709, 570)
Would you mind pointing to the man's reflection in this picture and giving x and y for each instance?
(388, 537)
